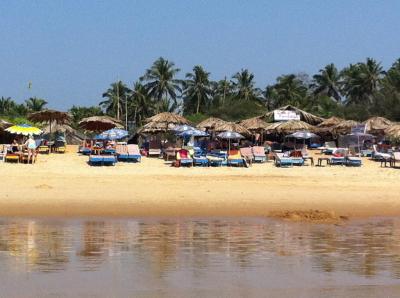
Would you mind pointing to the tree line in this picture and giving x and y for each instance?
(357, 92)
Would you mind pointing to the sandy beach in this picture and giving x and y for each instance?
(65, 185)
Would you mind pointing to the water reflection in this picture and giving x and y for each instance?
(193, 249)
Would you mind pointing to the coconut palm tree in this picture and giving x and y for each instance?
(243, 83)
(140, 104)
(221, 91)
(197, 90)
(289, 89)
(6, 105)
(161, 84)
(327, 82)
(115, 96)
(78, 113)
(35, 104)
(392, 77)
(361, 81)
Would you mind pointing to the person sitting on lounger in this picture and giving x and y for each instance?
(15, 146)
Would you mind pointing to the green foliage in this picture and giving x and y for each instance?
(78, 113)
(196, 118)
(116, 96)
(35, 104)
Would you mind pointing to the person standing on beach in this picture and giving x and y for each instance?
(31, 146)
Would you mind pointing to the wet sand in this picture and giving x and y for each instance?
(65, 185)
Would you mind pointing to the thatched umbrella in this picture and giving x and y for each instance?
(332, 121)
(377, 125)
(393, 131)
(254, 124)
(288, 127)
(304, 116)
(167, 117)
(232, 126)
(210, 123)
(344, 127)
(63, 128)
(50, 116)
(99, 123)
(4, 124)
(154, 127)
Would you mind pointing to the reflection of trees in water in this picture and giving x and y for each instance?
(38, 245)
(364, 248)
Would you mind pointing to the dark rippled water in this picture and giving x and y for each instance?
(198, 258)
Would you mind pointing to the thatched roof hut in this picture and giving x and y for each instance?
(254, 124)
(288, 127)
(393, 131)
(72, 136)
(344, 127)
(232, 126)
(167, 117)
(210, 123)
(304, 116)
(155, 127)
(330, 122)
(377, 125)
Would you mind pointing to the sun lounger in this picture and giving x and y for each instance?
(102, 160)
(283, 161)
(44, 149)
(12, 157)
(247, 154)
(134, 153)
(183, 157)
(259, 154)
(122, 152)
(297, 161)
(235, 158)
(154, 149)
(353, 161)
(201, 161)
(215, 161)
(379, 155)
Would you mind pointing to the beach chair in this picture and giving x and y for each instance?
(154, 148)
(44, 149)
(121, 151)
(376, 155)
(134, 153)
(283, 161)
(60, 146)
(338, 157)
(235, 158)
(353, 161)
(328, 148)
(99, 160)
(215, 161)
(395, 158)
(201, 161)
(259, 154)
(12, 157)
(183, 158)
(247, 154)
(169, 154)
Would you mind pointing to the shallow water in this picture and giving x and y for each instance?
(198, 257)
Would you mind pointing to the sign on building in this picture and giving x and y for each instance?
(358, 129)
(283, 115)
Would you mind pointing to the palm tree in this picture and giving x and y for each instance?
(6, 105)
(244, 86)
(392, 78)
(221, 91)
(116, 96)
(35, 104)
(79, 112)
(161, 84)
(361, 81)
(197, 90)
(327, 82)
(140, 104)
(289, 89)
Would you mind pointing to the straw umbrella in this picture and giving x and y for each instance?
(289, 127)
(377, 125)
(256, 125)
(210, 123)
(167, 117)
(49, 116)
(233, 127)
(344, 127)
(154, 127)
(393, 131)
(332, 121)
(99, 123)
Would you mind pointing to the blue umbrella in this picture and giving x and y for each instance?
(194, 133)
(181, 128)
(230, 135)
(112, 134)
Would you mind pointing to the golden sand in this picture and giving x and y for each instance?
(65, 185)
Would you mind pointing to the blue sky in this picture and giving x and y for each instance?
(72, 50)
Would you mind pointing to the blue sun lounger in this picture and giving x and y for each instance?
(353, 161)
(100, 160)
(282, 161)
(201, 161)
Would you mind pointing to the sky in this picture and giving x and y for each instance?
(72, 50)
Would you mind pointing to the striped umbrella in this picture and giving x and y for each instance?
(23, 129)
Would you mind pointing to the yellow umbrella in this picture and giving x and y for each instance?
(24, 129)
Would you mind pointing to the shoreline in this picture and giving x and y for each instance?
(65, 186)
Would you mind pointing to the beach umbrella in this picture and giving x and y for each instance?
(181, 128)
(393, 131)
(23, 129)
(254, 124)
(112, 134)
(230, 135)
(155, 127)
(232, 127)
(194, 133)
(304, 135)
(167, 117)
(345, 127)
(377, 125)
(99, 123)
(332, 121)
(49, 116)
(210, 123)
